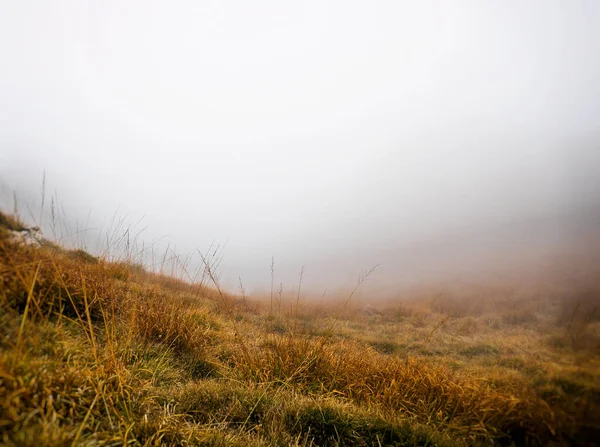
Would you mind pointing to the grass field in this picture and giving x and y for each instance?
(106, 353)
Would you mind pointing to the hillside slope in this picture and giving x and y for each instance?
(101, 353)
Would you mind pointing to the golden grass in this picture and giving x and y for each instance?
(101, 353)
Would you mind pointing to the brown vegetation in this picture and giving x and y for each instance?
(101, 353)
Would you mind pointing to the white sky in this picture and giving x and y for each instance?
(302, 129)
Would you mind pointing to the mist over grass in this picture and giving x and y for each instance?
(299, 223)
(518, 250)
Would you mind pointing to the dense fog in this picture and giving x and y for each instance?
(438, 140)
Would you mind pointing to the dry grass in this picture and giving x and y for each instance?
(105, 353)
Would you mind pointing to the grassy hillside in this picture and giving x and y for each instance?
(106, 353)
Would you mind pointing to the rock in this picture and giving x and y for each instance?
(30, 237)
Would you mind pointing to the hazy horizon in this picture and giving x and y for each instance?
(428, 137)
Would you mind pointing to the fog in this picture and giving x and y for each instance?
(436, 139)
